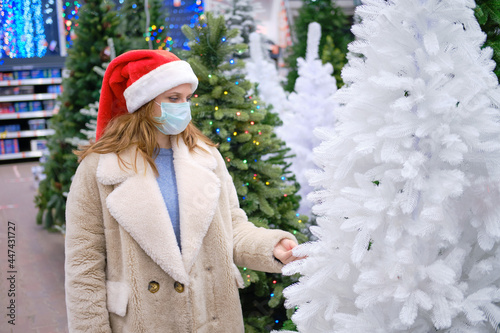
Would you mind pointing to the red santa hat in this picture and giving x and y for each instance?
(137, 77)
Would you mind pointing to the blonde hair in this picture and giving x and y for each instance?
(138, 128)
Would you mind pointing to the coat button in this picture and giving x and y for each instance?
(179, 287)
(153, 286)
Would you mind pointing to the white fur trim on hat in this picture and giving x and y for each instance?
(157, 81)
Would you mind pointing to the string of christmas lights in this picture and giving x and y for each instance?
(28, 30)
(70, 15)
(235, 133)
(7, 14)
(39, 36)
(22, 29)
(154, 31)
(181, 12)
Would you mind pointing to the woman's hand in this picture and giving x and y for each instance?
(283, 251)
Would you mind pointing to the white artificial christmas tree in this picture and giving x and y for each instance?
(310, 106)
(219, 7)
(242, 17)
(261, 70)
(409, 206)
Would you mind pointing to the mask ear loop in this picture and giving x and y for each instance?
(163, 116)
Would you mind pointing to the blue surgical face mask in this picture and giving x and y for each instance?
(174, 117)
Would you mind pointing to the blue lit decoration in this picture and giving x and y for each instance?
(39, 30)
(28, 28)
(27, 25)
(181, 12)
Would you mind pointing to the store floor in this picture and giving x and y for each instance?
(35, 283)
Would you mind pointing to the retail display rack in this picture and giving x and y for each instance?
(28, 99)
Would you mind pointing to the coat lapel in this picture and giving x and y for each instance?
(199, 190)
(137, 205)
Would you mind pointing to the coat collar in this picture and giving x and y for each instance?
(137, 205)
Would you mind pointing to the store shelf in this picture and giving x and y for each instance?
(25, 154)
(26, 82)
(30, 97)
(26, 134)
(28, 91)
(23, 115)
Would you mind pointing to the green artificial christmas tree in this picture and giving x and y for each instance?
(488, 16)
(334, 23)
(256, 159)
(334, 56)
(134, 24)
(97, 23)
(90, 129)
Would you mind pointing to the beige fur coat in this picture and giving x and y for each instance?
(124, 270)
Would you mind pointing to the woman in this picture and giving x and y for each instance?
(153, 227)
